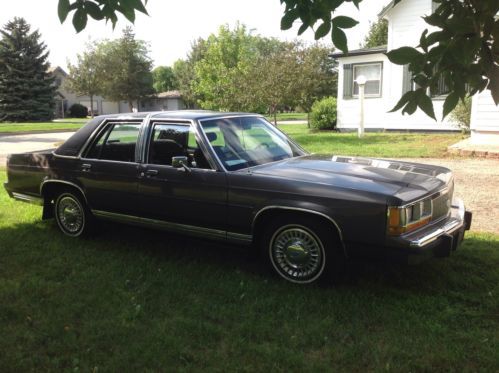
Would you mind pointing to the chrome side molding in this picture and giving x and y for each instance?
(27, 198)
(190, 230)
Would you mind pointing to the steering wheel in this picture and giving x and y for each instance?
(262, 145)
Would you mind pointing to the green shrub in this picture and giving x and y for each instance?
(462, 114)
(323, 115)
(78, 111)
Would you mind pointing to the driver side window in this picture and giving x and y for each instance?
(174, 140)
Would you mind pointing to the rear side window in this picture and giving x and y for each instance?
(116, 143)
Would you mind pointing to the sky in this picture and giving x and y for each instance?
(173, 25)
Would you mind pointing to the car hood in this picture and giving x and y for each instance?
(404, 180)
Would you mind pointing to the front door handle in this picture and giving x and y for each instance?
(86, 167)
(151, 172)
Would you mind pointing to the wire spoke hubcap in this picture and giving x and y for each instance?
(70, 214)
(297, 254)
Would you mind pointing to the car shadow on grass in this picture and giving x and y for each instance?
(475, 262)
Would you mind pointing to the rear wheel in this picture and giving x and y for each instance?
(71, 214)
(302, 250)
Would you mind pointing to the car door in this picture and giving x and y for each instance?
(109, 171)
(196, 195)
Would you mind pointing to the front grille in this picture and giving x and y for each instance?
(442, 203)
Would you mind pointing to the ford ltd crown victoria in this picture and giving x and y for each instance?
(235, 177)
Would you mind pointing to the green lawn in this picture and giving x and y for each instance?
(62, 124)
(377, 144)
(288, 116)
(138, 300)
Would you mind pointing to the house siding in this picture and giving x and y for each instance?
(405, 25)
(484, 115)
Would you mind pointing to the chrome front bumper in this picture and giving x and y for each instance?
(437, 239)
(460, 219)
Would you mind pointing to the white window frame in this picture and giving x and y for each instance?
(355, 65)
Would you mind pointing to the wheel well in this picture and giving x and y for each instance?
(269, 215)
(50, 191)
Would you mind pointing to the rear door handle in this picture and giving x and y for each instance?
(86, 167)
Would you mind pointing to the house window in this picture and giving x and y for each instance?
(372, 72)
(441, 89)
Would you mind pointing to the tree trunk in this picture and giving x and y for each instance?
(92, 106)
(130, 106)
(308, 119)
(274, 111)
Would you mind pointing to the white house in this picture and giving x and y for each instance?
(387, 82)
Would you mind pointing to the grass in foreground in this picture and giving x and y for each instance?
(132, 299)
(380, 144)
(61, 124)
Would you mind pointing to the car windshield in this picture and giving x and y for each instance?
(243, 142)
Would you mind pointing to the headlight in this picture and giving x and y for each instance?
(408, 218)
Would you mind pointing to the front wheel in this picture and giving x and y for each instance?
(71, 214)
(303, 250)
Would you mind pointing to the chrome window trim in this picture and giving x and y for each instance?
(177, 122)
(174, 227)
(62, 182)
(140, 143)
(275, 207)
(64, 156)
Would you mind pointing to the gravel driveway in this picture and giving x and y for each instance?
(477, 183)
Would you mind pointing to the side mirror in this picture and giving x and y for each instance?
(181, 162)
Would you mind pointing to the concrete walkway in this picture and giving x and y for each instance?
(486, 147)
(29, 143)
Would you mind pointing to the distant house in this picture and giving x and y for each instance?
(171, 100)
(66, 98)
(387, 82)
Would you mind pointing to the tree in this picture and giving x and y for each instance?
(272, 79)
(85, 77)
(27, 89)
(317, 78)
(226, 63)
(99, 10)
(163, 79)
(126, 66)
(377, 35)
(464, 51)
(185, 74)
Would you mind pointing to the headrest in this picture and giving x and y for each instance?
(166, 144)
(212, 136)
